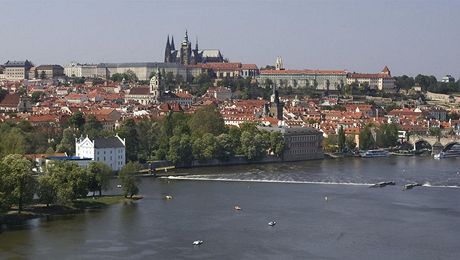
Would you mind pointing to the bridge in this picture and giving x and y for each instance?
(436, 144)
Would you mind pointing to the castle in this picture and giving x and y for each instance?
(188, 56)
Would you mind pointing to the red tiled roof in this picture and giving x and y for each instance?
(10, 100)
(306, 71)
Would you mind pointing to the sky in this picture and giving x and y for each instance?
(409, 36)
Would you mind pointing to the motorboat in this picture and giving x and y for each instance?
(237, 208)
(168, 197)
(272, 223)
(454, 151)
(197, 242)
(382, 184)
(374, 153)
(411, 185)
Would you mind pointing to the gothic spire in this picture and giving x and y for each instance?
(186, 36)
(172, 43)
(168, 45)
(196, 44)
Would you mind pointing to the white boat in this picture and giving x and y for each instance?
(272, 223)
(374, 153)
(197, 242)
(454, 151)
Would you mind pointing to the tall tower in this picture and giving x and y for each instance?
(155, 86)
(168, 51)
(185, 50)
(279, 63)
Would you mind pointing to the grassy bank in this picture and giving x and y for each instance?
(76, 207)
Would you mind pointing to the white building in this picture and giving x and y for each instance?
(382, 81)
(80, 70)
(110, 150)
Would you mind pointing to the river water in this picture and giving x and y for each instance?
(323, 209)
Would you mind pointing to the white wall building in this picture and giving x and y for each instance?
(110, 150)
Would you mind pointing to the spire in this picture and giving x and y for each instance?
(186, 36)
(172, 44)
(196, 43)
(167, 42)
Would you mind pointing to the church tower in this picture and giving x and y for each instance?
(155, 86)
(168, 51)
(279, 63)
(185, 50)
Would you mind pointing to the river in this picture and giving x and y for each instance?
(323, 209)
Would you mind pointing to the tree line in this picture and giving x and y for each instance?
(62, 183)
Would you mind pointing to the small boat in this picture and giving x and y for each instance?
(454, 151)
(382, 184)
(272, 223)
(374, 154)
(197, 242)
(119, 186)
(168, 197)
(237, 208)
(411, 185)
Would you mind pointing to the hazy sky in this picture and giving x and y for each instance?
(410, 36)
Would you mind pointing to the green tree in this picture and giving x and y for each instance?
(277, 143)
(36, 96)
(128, 130)
(207, 120)
(99, 177)
(47, 189)
(128, 179)
(341, 138)
(366, 141)
(20, 184)
(227, 146)
(92, 128)
(67, 144)
(350, 143)
(71, 181)
(77, 120)
(180, 149)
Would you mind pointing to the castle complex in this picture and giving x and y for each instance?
(188, 56)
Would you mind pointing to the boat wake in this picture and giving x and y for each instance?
(199, 178)
(207, 178)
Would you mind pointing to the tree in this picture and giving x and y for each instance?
(128, 179)
(350, 143)
(67, 144)
(77, 120)
(36, 96)
(99, 177)
(93, 128)
(207, 120)
(128, 131)
(19, 182)
(227, 146)
(366, 141)
(341, 138)
(205, 148)
(253, 147)
(180, 149)
(46, 191)
(70, 181)
(277, 143)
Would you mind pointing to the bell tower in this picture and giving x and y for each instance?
(155, 86)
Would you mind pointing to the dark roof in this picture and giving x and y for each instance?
(139, 91)
(292, 130)
(108, 142)
(10, 100)
(14, 63)
(140, 65)
(49, 67)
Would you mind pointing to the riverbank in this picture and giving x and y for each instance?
(77, 207)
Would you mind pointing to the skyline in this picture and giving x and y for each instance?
(410, 38)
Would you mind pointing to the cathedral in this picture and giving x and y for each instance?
(185, 55)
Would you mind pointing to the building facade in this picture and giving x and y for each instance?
(302, 143)
(75, 69)
(49, 71)
(17, 70)
(110, 150)
(382, 81)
